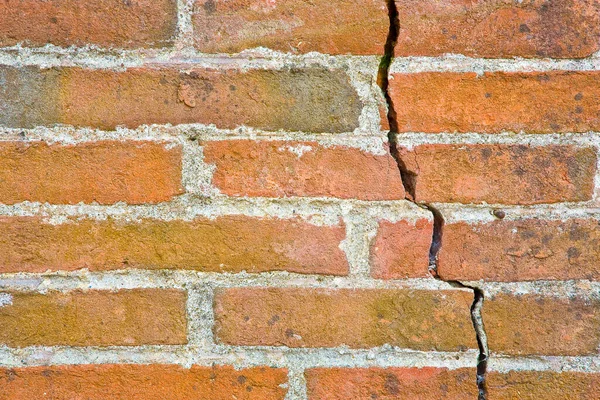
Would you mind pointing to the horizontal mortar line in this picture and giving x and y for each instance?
(412, 139)
(560, 289)
(190, 134)
(385, 356)
(96, 58)
(202, 132)
(459, 63)
(189, 206)
(472, 213)
(504, 363)
(188, 279)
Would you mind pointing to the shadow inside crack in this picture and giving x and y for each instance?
(409, 179)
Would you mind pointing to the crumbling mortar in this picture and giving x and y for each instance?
(408, 178)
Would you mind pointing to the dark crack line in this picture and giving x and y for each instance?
(409, 182)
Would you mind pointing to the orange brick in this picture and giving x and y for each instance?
(390, 383)
(102, 172)
(499, 28)
(361, 26)
(312, 99)
(401, 249)
(361, 318)
(27, 244)
(542, 385)
(506, 174)
(108, 23)
(93, 318)
(524, 250)
(148, 382)
(534, 324)
(283, 168)
(534, 102)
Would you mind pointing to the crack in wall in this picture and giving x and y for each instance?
(409, 182)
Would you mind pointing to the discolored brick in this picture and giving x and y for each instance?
(361, 318)
(94, 318)
(223, 244)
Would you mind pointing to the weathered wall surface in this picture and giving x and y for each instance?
(277, 199)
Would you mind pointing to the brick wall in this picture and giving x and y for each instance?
(280, 199)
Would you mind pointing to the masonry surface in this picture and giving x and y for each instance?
(374, 199)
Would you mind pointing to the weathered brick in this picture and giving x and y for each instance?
(401, 249)
(28, 244)
(312, 99)
(340, 27)
(535, 324)
(522, 250)
(148, 382)
(104, 172)
(499, 28)
(108, 23)
(542, 385)
(499, 173)
(284, 168)
(93, 318)
(426, 383)
(534, 102)
(361, 318)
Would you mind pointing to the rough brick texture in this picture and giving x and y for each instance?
(499, 28)
(524, 250)
(339, 27)
(101, 172)
(299, 199)
(401, 249)
(149, 382)
(534, 324)
(32, 245)
(390, 383)
(422, 320)
(94, 318)
(543, 385)
(506, 174)
(106, 23)
(533, 102)
(313, 99)
(284, 169)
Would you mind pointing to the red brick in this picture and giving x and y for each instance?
(103, 172)
(93, 318)
(361, 318)
(284, 168)
(522, 250)
(534, 102)
(313, 99)
(542, 385)
(28, 244)
(534, 324)
(499, 28)
(340, 27)
(426, 383)
(401, 249)
(108, 23)
(498, 173)
(148, 382)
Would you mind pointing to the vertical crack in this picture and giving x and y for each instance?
(409, 182)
